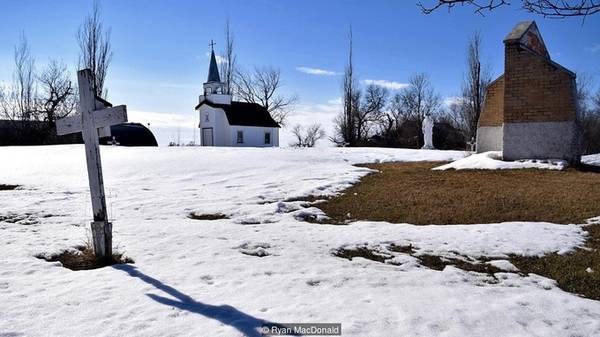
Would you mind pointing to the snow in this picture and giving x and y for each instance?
(593, 159)
(226, 277)
(503, 265)
(493, 161)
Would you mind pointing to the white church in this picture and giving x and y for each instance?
(224, 122)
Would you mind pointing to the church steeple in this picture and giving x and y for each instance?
(214, 89)
(213, 70)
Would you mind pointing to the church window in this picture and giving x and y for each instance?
(267, 138)
(240, 137)
(206, 117)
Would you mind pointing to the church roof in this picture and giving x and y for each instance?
(244, 114)
(213, 70)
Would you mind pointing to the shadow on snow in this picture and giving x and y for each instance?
(226, 314)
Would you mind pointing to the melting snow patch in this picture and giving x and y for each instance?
(593, 159)
(254, 249)
(504, 265)
(493, 161)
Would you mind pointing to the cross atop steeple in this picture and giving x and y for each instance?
(212, 45)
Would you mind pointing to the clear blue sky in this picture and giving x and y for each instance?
(160, 47)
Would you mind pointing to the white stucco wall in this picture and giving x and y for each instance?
(489, 138)
(217, 121)
(254, 136)
(548, 140)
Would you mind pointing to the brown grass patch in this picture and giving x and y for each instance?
(363, 252)
(84, 259)
(215, 216)
(571, 270)
(4, 187)
(413, 193)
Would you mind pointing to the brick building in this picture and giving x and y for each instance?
(529, 111)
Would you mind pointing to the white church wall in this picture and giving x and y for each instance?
(219, 98)
(254, 136)
(217, 121)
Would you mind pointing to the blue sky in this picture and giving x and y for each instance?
(160, 47)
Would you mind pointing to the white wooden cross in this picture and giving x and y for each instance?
(96, 116)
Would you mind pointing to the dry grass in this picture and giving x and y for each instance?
(577, 272)
(413, 193)
(571, 270)
(216, 216)
(84, 259)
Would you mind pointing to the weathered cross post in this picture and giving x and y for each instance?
(96, 115)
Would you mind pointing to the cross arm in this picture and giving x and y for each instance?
(102, 118)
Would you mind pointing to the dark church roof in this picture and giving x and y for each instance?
(245, 114)
(213, 70)
(130, 134)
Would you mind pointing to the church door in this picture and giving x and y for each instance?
(207, 137)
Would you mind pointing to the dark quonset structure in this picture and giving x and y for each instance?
(130, 134)
(42, 133)
(529, 111)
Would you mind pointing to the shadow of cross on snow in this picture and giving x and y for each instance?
(248, 325)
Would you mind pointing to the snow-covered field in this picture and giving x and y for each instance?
(194, 278)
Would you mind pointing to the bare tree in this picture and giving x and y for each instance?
(346, 122)
(228, 66)
(372, 110)
(546, 8)
(24, 81)
(396, 109)
(58, 98)
(95, 49)
(583, 99)
(588, 113)
(419, 99)
(262, 86)
(475, 83)
(309, 138)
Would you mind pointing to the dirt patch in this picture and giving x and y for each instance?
(309, 198)
(413, 193)
(215, 216)
(430, 261)
(363, 252)
(577, 272)
(4, 187)
(21, 219)
(84, 259)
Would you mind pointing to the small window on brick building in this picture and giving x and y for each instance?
(267, 138)
(240, 137)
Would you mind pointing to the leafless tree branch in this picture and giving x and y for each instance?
(95, 49)
(546, 8)
(262, 86)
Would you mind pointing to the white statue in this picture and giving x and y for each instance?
(428, 132)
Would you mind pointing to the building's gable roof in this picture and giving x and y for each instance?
(518, 31)
(244, 114)
(528, 35)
